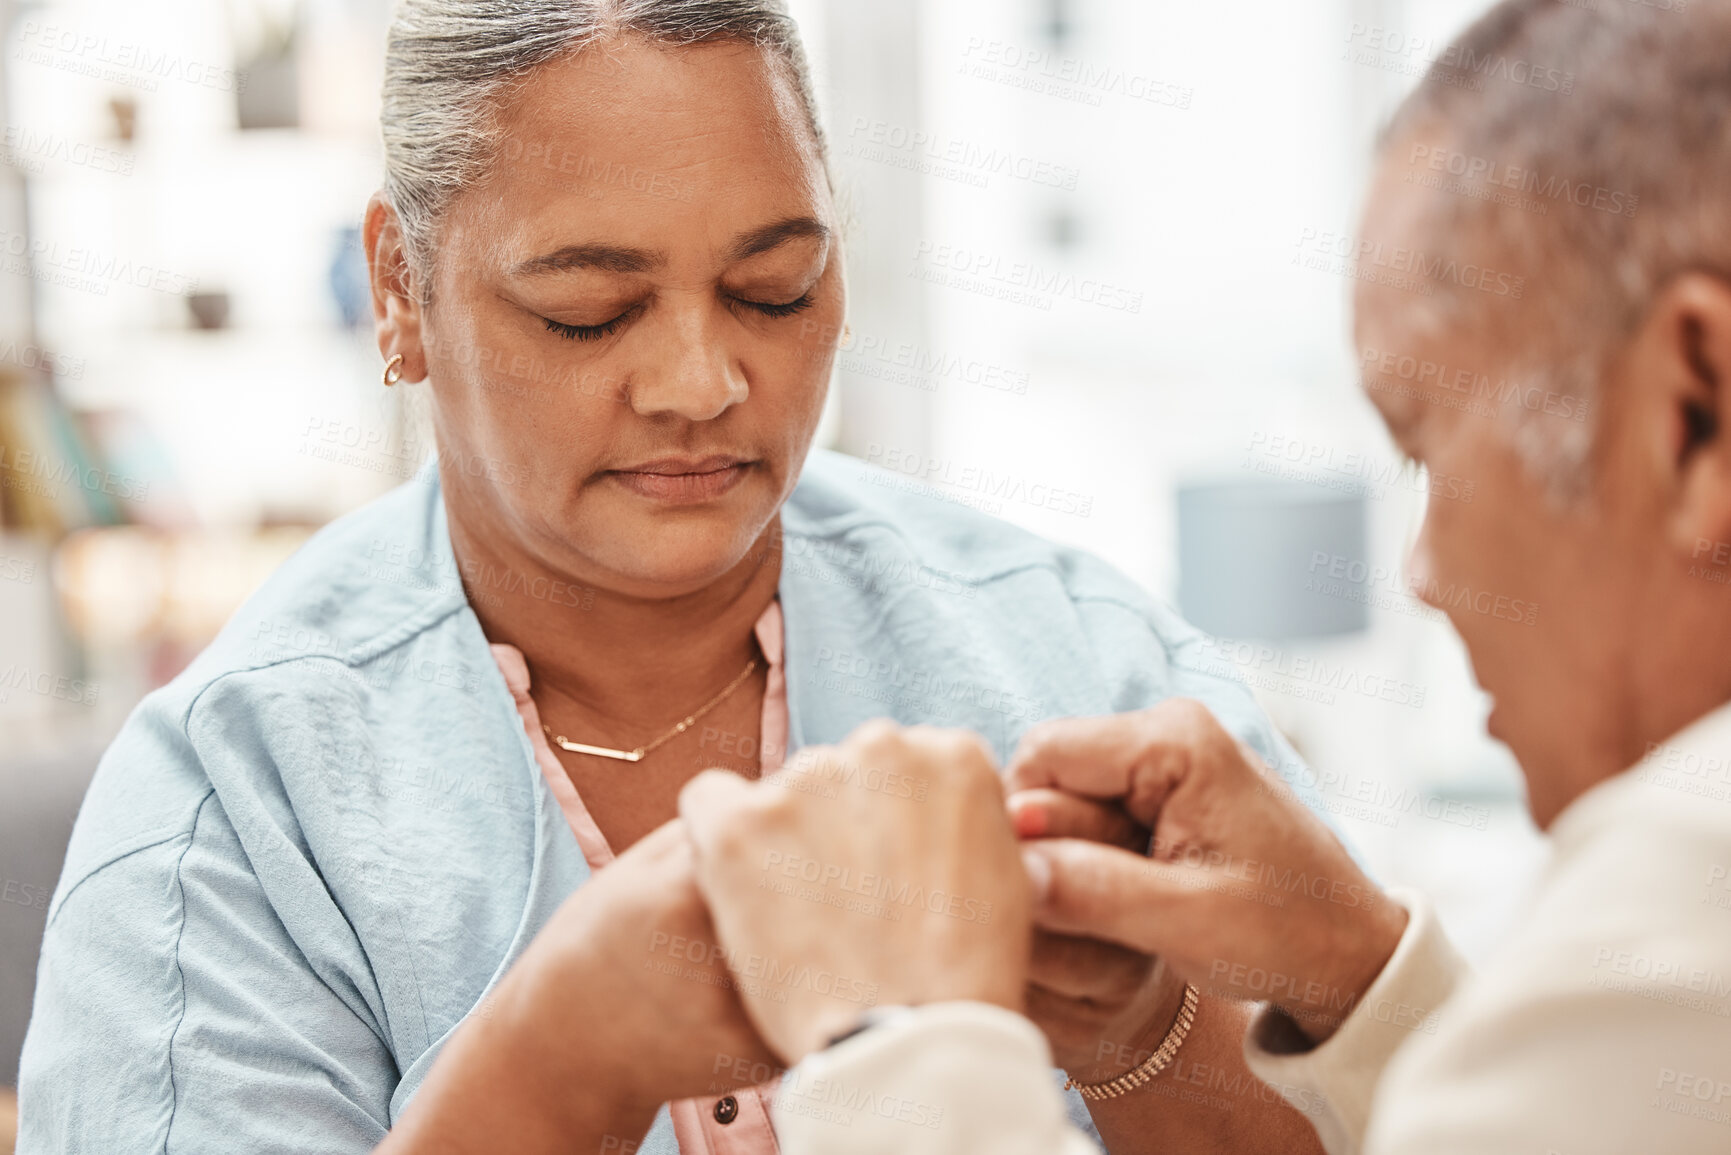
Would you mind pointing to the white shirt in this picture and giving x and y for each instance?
(1603, 1025)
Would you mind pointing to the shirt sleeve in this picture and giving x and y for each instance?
(174, 1011)
(1334, 1083)
(945, 1079)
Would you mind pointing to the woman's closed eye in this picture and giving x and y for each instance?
(586, 332)
(592, 332)
(773, 308)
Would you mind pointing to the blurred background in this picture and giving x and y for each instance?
(1093, 261)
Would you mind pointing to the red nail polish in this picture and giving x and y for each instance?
(1030, 822)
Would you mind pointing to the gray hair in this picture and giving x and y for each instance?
(450, 64)
(1630, 102)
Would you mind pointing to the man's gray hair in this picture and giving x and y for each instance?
(1617, 115)
(449, 64)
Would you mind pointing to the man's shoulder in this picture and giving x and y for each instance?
(1620, 966)
(1634, 901)
(1646, 855)
(1587, 1028)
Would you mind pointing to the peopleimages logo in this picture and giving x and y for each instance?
(1354, 471)
(1335, 575)
(1381, 366)
(952, 158)
(1363, 254)
(1530, 181)
(879, 888)
(762, 967)
(86, 269)
(47, 685)
(54, 472)
(1066, 77)
(1020, 282)
(1457, 66)
(905, 362)
(28, 148)
(974, 479)
(1268, 668)
(119, 61)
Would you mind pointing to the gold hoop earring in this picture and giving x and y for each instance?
(846, 335)
(393, 370)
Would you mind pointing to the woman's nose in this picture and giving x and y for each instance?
(693, 374)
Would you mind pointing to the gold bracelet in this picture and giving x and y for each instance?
(1153, 1065)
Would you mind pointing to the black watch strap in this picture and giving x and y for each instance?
(875, 1017)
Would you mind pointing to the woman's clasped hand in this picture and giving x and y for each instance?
(771, 917)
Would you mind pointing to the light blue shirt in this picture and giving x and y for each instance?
(306, 859)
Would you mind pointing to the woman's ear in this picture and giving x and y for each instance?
(1676, 380)
(397, 309)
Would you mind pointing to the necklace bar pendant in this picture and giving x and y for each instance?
(602, 751)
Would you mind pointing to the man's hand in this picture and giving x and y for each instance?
(882, 871)
(1095, 1001)
(1244, 892)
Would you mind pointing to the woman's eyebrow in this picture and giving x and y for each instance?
(607, 258)
(618, 259)
(769, 236)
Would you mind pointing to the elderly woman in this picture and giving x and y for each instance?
(348, 875)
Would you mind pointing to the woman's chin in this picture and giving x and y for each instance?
(675, 568)
(621, 544)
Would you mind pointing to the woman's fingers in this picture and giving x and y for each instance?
(1103, 892)
(1055, 814)
(709, 805)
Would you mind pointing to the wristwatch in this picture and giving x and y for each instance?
(873, 1017)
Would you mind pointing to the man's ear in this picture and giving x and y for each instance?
(397, 310)
(1677, 384)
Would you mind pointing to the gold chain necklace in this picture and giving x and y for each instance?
(641, 752)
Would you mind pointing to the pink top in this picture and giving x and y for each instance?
(694, 1120)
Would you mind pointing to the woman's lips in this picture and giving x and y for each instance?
(682, 482)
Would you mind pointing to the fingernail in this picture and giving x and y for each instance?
(1039, 874)
(1028, 819)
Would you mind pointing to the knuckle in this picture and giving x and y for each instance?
(1038, 740)
(880, 741)
(873, 733)
(925, 739)
(959, 755)
(971, 757)
(975, 747)
(1188, 728)
(1188, 712)
(731, 844)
